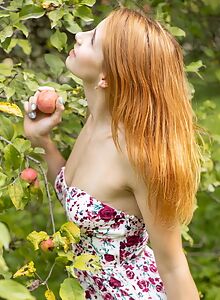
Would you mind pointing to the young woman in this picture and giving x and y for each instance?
(134, 169)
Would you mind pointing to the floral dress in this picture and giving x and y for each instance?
(129, 271)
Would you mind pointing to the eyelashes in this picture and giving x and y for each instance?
(92, 40)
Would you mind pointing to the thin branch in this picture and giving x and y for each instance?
(49, 274)
(45, 180)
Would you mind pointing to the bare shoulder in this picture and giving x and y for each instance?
(166, 243)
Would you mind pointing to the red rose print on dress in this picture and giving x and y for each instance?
(130, 274)
(114, 282)
(109, 233)
(99, 282)
(152, 280)
(107, 213)
(143, 284)
(109, 257)
(108, 297)
(159, 288)
(153, 268)
(132, 240)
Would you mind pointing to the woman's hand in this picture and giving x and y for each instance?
(38, 125)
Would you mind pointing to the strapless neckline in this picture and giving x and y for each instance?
(98, 201)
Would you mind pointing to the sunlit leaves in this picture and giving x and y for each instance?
(31, 12)
(55, 16)
(49, 295)
(15, 191)
(88, 2)
(10, 108)
(6, 32)
(37, 237)
(27, 270)
(58, 40)
(84, 13)
(5, 69)
(70, 24)
(72, 231)
(87, 262)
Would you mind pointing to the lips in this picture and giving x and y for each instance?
(72, 53)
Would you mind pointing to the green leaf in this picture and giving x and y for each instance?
(25, 45)
(73, 27)
(70, 24)
(5, 238)
(55, 16)
(194, 67)
(32, 85)
(5, 69)
(74, 77)
(71, 270)
(55, 63)
(49, 295)
(12, 157)
(27, 270)
(16, 193)
(3, 266)
(6, 128)
(88, 2)
(9, 92)
(72, 231)
(87, 262)
(58, 40)
(176, 31)
(22, 27)
(9, 44)
(5, 33)
(14, 17)
(37, 237)
(31, 12)
(3, 178)
(22, 145)
(10, 289)
(4, 14)
(60, 241)
(71, 289)
(84, 13)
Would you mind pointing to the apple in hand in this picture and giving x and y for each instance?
(28, 175)
(46, 101)
(47, 245)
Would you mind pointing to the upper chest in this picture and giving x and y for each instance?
(96, 166)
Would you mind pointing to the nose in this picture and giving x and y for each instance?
(78, 37)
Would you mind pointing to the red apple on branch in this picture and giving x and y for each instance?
(28, 175)
(47, 245)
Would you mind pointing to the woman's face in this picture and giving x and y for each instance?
(86, 63)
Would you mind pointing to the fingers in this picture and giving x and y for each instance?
(57, 115)
(43, 88)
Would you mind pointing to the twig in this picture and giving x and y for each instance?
(49, 274)
(42, 282)
(45, 180)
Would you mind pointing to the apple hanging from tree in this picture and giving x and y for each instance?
(46, 101)
(47, 245)
(29, 175)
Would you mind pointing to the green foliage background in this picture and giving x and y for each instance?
(35, 37)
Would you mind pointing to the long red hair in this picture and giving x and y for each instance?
(148, 92)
